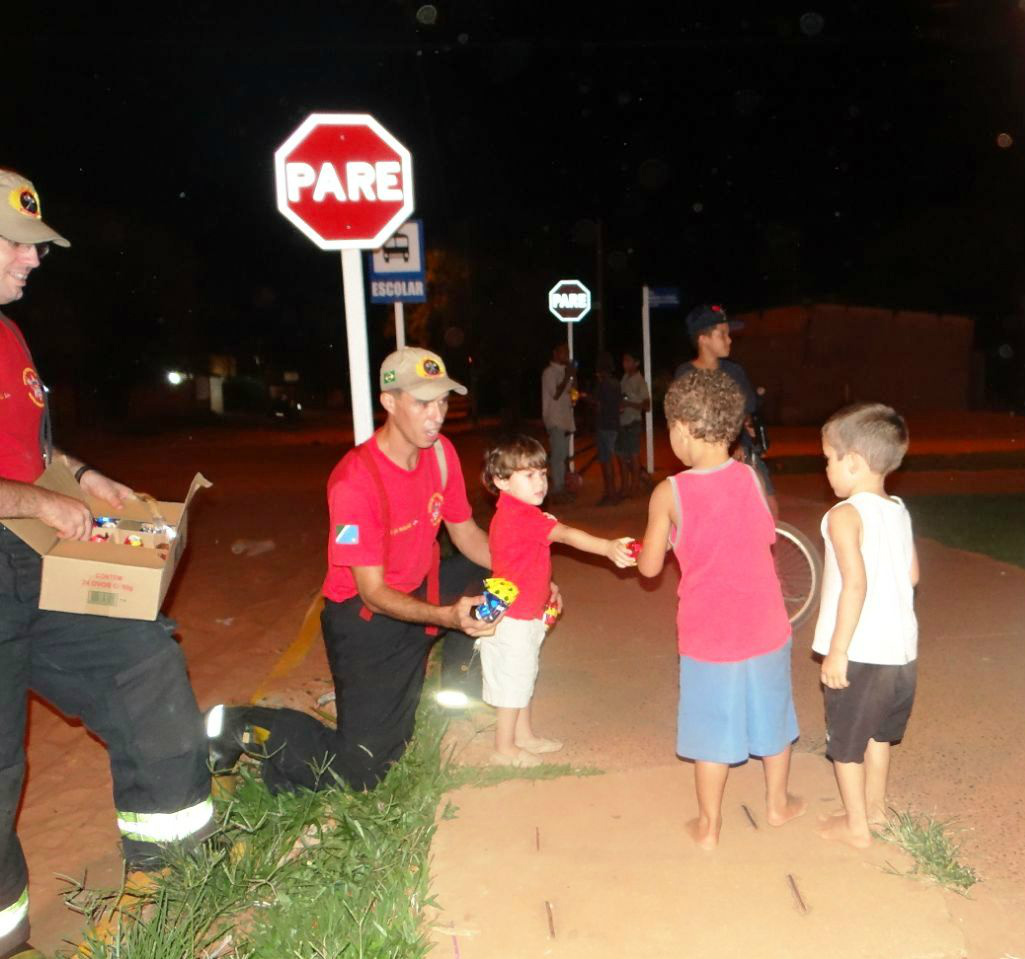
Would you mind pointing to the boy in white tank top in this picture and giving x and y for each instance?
(866, 631)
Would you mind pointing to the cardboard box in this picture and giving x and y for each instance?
(108, 578)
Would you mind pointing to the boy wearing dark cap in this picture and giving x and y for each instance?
(709, 328)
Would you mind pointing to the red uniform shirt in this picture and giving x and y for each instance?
(521, 553)
(417, 504)
(21, 407)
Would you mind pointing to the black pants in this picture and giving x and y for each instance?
(378, 671)
(125, 679)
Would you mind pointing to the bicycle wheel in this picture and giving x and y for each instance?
(799, 568)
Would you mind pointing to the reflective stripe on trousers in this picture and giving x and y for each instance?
(165, 826)
(12, 915)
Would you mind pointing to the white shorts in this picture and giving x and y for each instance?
(508, 661)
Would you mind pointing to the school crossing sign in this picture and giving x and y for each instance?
(344, 181)
(569, 300)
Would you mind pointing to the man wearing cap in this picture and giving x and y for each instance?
(709, 330)
(125, 679)
(385, 596)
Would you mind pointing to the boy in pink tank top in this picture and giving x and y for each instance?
(733, 635)
(520, 539)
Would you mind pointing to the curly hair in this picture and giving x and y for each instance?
(709, 403)
(510, 454)
(874, 431)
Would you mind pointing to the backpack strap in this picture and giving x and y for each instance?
(434, 572)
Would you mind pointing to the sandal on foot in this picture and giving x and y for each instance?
(539, 745)
(521, 760)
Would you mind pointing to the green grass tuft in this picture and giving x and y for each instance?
(935, 854)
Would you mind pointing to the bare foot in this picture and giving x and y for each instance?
(520, 759)
(704, 834)
(836, 827)
(878, 817)
(536, 744)
(795, 806)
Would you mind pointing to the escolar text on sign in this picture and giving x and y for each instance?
(375, 182)
(397, 288)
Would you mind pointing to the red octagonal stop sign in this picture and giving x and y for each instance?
(344, 180)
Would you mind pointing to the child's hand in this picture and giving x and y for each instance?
(834, 671)
(619, 552)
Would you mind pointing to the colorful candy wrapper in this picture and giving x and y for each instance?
(551, 614)
(634, 547)
(499, 595)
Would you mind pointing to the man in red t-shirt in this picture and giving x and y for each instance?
(125, 679)
(387, 499)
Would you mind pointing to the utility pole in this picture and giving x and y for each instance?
(599, 280)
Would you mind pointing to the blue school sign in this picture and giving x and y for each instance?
(398, 270)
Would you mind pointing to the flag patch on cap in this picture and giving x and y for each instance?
(347, 534)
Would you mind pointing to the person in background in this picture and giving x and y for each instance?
(557, 382)
(709, 330)
(634, 403)
(606, 426)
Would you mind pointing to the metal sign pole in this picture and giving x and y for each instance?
(649, 420)
(400, 325)
(569, 340)
(356, 337)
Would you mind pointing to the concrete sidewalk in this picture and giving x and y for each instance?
(600, 868)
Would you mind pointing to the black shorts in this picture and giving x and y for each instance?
(876, 705)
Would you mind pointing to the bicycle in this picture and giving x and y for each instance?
(799, 568)
(798, 563)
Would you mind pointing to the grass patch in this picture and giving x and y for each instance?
(305, 875)
(993, 524)
(934, 853)
(913, 463)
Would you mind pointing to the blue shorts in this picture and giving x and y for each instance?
(729, 711)
(605, 441)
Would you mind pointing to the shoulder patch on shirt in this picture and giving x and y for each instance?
(347, 534)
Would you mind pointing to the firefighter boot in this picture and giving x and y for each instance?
(230, 733)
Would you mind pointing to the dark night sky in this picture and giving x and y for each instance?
(755, 154)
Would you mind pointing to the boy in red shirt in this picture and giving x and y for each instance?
(520, 538)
